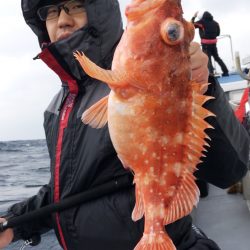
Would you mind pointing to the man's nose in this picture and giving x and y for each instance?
(65, 19)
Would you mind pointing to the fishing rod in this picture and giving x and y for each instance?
(94, 193)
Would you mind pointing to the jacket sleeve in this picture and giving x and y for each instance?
(227, 157)
(36, 227)
(198, 24)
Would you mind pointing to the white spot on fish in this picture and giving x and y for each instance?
(162, 182)
(178, 138)
(151, 133)
(177, 169)
(154, 155)
(171, 190)
(164, 140)
(146, 180)
(143, 148)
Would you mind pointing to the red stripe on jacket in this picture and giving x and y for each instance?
(49, 59)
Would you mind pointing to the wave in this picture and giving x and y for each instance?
(22, 145)
(32, 186)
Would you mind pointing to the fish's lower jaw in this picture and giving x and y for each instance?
(155, 241)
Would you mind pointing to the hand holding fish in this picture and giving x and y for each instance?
(199, 62)
(6, 237)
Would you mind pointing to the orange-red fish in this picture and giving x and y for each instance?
(154, 113)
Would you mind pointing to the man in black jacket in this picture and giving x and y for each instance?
(209, 29)
(83, 158)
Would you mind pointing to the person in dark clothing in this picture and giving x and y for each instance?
(209, 29)
(82, 157)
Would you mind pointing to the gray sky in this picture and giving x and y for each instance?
(27, 86)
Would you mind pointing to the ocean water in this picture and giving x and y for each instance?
(24, 168)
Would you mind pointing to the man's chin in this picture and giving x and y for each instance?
(63, 36)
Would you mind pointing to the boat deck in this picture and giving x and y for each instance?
(233, 85)
(225, 218)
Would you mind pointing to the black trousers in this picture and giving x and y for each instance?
(211, 51)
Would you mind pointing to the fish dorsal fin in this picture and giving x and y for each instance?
(97, 115)
(112, 78)
(138, 211)
(187, 196)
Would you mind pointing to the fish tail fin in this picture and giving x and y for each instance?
(155, 241)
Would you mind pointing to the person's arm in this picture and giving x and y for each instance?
(218, 29)
(26, 231)
(194, 16)
(227, 157)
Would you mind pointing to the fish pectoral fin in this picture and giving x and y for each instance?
(97, 115)
(138, 211)
(186, 198)
(112, 78)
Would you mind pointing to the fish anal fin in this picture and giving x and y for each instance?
(96, 116)
(155, 241)
(138, 211)
(187, 196)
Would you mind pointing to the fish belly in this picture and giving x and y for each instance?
(147, 132)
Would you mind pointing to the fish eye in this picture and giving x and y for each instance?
(172, 31)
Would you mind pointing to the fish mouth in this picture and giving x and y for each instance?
(135, 3)
(140, 7)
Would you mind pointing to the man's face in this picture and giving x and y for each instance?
(65, 24)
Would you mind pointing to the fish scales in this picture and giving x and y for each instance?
(154, 113)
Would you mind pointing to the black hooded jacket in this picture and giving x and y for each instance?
(83, 157)
(208, 28)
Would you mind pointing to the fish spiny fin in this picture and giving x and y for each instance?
(195, 138)
(201, 99)
(200, 88)
(186, 197)
(96, 116)
(138, 211)
(155, 241)
(202, 112)
(112, 78)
